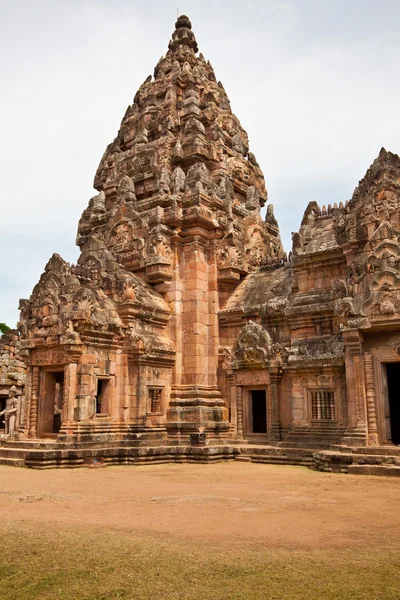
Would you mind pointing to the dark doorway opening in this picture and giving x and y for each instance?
(58, 401)
(51, 402)
(259, 411)
(393, 381)
(99, 396)
(102, 397)
(2, 407)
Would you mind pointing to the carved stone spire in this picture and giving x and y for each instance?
(181, 158)
(183, 35)
(375, 199)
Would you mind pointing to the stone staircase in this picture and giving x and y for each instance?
(14, 453)
(39, 455)
(272, 455)
(47, 454)
(360, 460)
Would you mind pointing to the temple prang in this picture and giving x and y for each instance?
(184, 332)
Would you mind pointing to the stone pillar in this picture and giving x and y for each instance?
(213, 309)
(373, 439)
(240, 432)
(121, 395)
(275, 374)
(141, 390)
(83, 403)
(174, 298)
(70, 389)
(28, 394)
(233, 399)
(196, 361)
(355, 388)
(196, 403)
(133, 388)
(359, 388)
(33, 409)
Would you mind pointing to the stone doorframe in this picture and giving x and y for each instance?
(241, 382)
(247, 413)
(45, 403)
(382, 399)
(367, 384)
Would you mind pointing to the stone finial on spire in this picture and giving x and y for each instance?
(183, 22)
(183, 35)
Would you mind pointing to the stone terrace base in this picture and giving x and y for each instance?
(38, 454)
(361, 460)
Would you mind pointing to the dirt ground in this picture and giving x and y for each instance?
(219, 525)
(273, 505)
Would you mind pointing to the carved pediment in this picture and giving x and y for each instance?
(252, 348)
(385, 231)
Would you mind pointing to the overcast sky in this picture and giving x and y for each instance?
(314, 82)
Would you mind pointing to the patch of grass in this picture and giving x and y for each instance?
(109, 564)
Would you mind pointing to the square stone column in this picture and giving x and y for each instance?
(196, 403)
(356, 393)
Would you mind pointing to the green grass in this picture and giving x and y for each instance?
(37, 563)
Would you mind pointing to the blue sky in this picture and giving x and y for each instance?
(315, 84)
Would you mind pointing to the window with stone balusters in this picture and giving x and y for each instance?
(155, 400)
(323, 406)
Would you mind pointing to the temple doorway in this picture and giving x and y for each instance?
(259, 411)
(393, 382)
(51, 403)
(3, 400)
(102, 398)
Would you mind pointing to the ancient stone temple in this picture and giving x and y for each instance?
(184, 332)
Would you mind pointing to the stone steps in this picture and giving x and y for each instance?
(369, 450)
(45, 455)
(119, 455)
(275, 460)
(371, 461)
(386, 470)
(13, 453)
(29, 444)
(302, 457)
(305, 445)
(6, 461)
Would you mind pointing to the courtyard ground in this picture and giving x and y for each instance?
(222, 531)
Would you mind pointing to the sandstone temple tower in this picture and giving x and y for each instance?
(175, 226)
(183, 331)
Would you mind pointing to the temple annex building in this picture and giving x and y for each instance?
(184, 332)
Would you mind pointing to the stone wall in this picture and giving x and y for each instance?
(12, 368)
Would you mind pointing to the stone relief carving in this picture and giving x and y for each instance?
(158, 243)
(126, 189)
(252, 348)
(326, 348)
(11, 413)
(372, 288)
(256, 248)
(178, 179)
